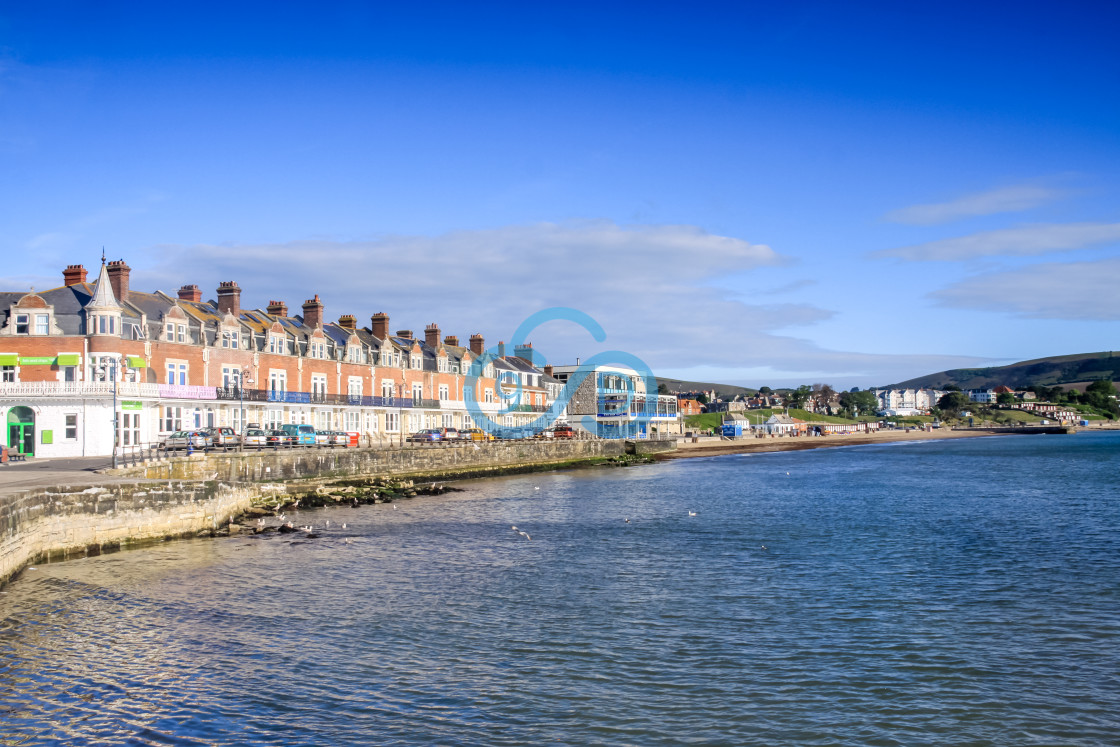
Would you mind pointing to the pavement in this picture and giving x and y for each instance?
(16, 477)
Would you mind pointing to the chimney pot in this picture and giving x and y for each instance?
(229, 298)
(277, 308)
(74, 274)
(451, 340)
(313, 312)
(190, 293)
(347, 321)
(431, 335)
(405, 333)
(379, 325)
(118, 278)
(478, 344)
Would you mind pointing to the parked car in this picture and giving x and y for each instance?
(337, 438)
(558, 431)
(304, 434)
(475, 434)
(427, 435)
(255, 438)
(280, 439)
(322, 438)
(222, 437)
(449, 434)
(186, 440)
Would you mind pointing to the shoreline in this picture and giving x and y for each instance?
(802, 443)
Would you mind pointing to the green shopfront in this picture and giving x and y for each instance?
(20, 430)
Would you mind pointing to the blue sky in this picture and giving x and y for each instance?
(851, 193)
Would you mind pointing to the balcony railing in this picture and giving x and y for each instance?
(100, 389)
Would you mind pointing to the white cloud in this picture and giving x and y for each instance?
(1022, 241)
(1085, 291)
(648, 286)
(1003, 200)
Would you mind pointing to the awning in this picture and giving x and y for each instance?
(136, 362)
(69, 359)
(9, 359)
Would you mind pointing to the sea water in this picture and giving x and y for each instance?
(944, 592)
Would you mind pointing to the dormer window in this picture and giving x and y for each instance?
(231, 339)
(414, 361)
(23, 323)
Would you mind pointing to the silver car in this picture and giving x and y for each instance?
(186, 440)
(256, 438)
(222, 437)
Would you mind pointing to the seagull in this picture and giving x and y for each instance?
(691, 513)
(627, 521)
(525, 535)
(764, 547)
(343, 526)
(537, 487)
(394, 507)
(514, 528)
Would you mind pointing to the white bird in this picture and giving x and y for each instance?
(328, 522)
(343, 526)
(764, 547)
(514, 528)
(691, 513)
(538, 487)
(525, 535)
(394, 507)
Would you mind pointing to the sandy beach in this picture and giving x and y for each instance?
(687, 449)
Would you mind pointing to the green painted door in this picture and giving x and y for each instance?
(21, 430)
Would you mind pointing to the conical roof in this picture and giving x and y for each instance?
(103, 297)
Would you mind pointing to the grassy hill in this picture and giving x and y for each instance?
(1062, 369)
(724, 391)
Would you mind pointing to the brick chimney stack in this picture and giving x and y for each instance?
(501, 349)
(405, 333)
(524, 352)
(190, 293)
(379, 325)
(118, 278)
(347, 321)
(478, 344)
(431, 335)
(277, 308)
(548, 370)
(73, 274)
(229, 298)
(451, 340)
(313, 312)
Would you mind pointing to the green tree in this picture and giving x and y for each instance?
(663, 388)
(1005, 398)
(702, 399)
(798, 397)
(953, 402)
(764, 390)
(1101, 394)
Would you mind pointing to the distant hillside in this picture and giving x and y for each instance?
(1062, 369)
(724, 391)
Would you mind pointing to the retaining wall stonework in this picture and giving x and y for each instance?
(55, 523)
(421, 461)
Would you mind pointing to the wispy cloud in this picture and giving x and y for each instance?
(1022, 241)
(1011, 199)
(649, 286)
(1083, 291)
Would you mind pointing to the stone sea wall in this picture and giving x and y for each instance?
(439, 461)
(186, 495)
(56, 523)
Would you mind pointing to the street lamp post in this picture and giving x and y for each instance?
(245, 378)
(110, 372)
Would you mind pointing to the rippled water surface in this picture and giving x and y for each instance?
(963, 592)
